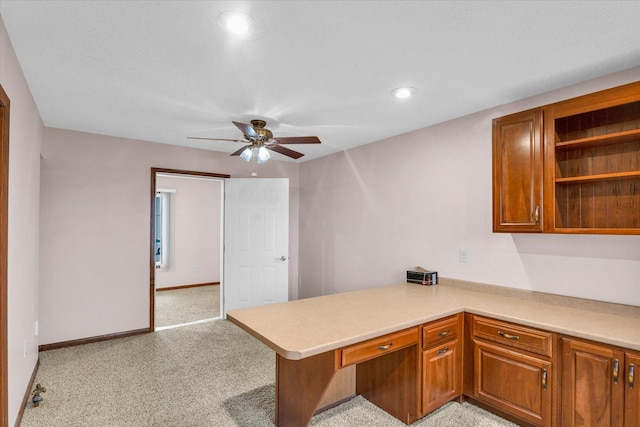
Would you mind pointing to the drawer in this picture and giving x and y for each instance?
(378, 346)
(511, 335)
(440, 331)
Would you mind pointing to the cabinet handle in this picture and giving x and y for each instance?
(631, 379)
(616, 368)
(443, 333)
(385, 347)
(443, 351)
(508, 336)
(536, 215)
(544, 379)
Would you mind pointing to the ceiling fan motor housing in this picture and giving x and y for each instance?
(259, 127)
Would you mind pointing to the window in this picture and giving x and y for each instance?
(164, 199)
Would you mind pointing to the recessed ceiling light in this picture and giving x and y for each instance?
(403, 92)
(235, 22)
(238, 24)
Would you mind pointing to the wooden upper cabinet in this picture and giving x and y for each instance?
(593, 163)
(578, 172)
(517, 172)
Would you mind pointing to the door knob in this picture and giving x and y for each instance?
(283, 258)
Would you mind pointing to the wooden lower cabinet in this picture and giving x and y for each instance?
(441, 375)
(532, 375)
(514, 382)
(511, 368)
(441, 362)
(599, 385)
(632, 392)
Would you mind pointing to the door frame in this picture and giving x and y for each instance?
(4, 243)
(152, 240)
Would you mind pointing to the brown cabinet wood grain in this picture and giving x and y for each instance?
(511, 335)
(570, 167)
(513, 369)
(592, 384)
(441, 362)
(514, 382)
(593, 163)
(441, 375)
(518, 172)
(441, 331)
(632, 392)
(378, 346)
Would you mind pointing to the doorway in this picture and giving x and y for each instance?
(185, 267)
(4, 227)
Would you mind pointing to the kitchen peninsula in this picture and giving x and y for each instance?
(329, 348)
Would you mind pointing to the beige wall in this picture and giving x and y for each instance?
(95, 227)
(195, 232)
(369, 214)
(25, 141)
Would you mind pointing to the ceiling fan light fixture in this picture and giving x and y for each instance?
(246, 154)
(263, 155)
(403, 92)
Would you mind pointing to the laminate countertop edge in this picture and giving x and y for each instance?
(303, 328)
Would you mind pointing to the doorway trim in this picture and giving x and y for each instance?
(152, 264)
(4, 244)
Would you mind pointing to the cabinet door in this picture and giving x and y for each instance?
(514, 382)
(592, 385)
(441, 375)
(632, 408)
(517, 172)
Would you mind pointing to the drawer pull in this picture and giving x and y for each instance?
(508, 336)
(544, 379)
(443, 333)
(443, 351)
(385, 347)
(631, 379)
(616, 368)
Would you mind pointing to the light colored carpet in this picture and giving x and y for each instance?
(178, 306)
(207, 374)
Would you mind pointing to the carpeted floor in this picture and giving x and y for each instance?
(207, 374)
(177, 306)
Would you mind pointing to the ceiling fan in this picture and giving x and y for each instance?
(261, 140)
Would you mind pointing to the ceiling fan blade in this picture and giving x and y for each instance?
(246, 129)
(216, 139)
(298, 140)
(237, 153)
(285, 151)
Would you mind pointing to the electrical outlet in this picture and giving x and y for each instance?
(463, 256)
(25, 349)
(299, 281)
(36, 328)
(197, 269)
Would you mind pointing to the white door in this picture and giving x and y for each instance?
(256, 242)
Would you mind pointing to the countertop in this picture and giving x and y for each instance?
(303, 328)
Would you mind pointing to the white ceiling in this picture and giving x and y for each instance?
(164, 70)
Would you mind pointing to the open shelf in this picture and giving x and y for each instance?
(603, 122)
(597, 164)
(612, 203)
(600, 140)
(599, 177)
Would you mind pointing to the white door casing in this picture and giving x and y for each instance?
(256, 242)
